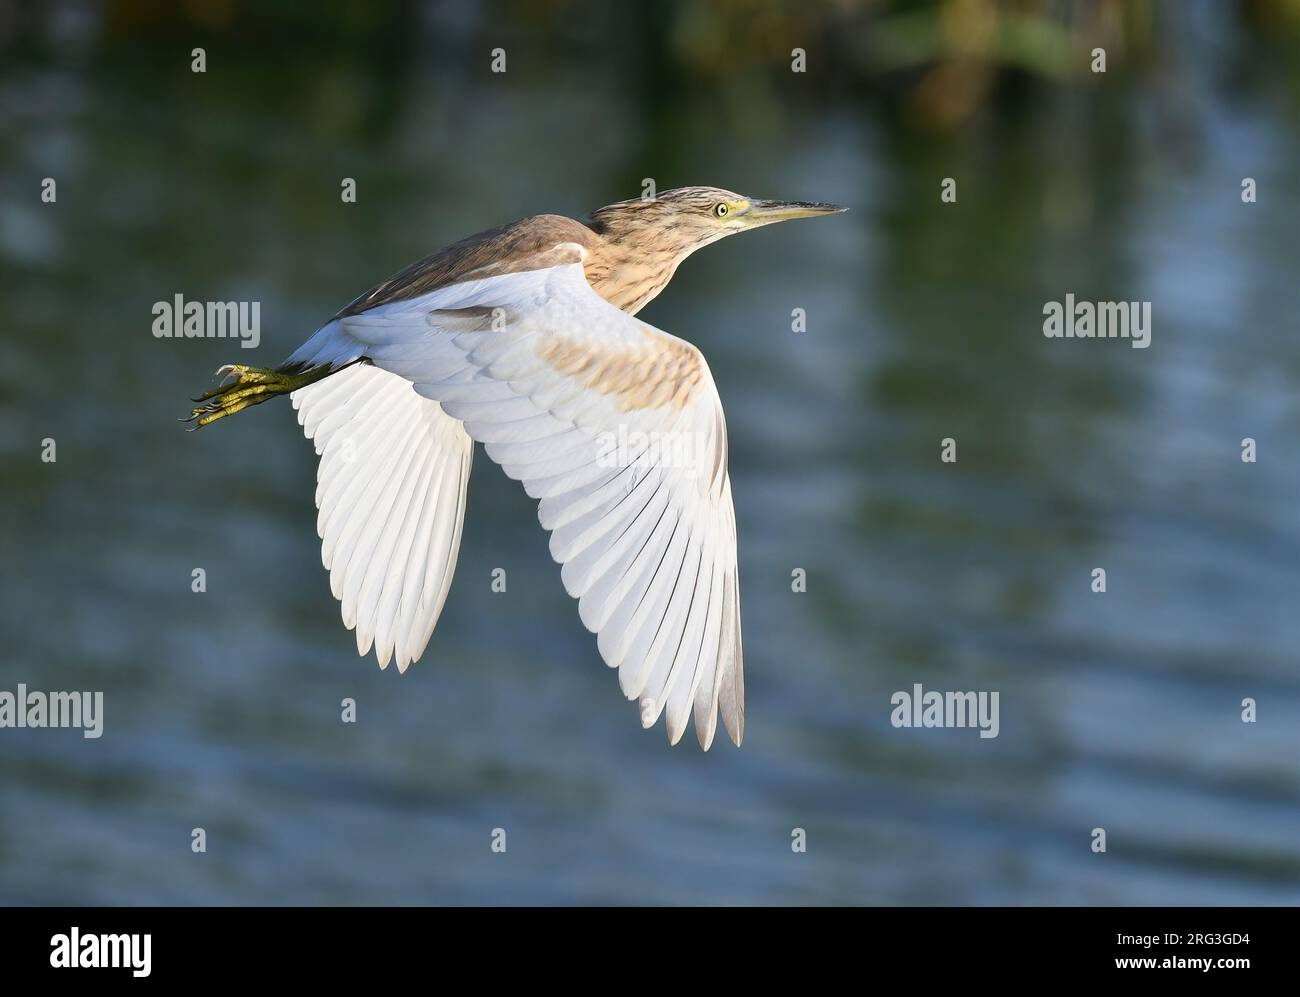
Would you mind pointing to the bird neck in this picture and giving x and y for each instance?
(628, 272)
(628, 276)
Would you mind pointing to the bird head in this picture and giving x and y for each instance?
(677, 222)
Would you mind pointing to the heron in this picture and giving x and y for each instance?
(523, 338)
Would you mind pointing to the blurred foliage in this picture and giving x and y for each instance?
(939, 61)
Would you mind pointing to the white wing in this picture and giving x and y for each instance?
(616, 427)
(391, 494)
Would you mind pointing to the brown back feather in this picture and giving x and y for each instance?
(524, 245)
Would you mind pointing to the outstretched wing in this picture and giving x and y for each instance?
(616, 427)
(391, 494)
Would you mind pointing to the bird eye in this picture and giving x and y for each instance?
(720, 210)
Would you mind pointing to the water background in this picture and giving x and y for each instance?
(1119, 711)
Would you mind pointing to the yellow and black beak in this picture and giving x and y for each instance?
(766, 212)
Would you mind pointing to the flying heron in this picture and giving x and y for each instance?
(522, 338)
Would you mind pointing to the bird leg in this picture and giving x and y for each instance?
(250, 386)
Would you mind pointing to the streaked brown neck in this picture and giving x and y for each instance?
(626, 277)
(636, 252)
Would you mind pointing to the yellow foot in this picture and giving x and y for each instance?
(250, 386)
